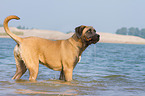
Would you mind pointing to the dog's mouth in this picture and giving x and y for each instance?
(92, 40)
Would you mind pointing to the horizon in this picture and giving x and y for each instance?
(64, 16)
(28, 28)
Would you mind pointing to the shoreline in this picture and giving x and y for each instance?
(101, 41)
(56, 35)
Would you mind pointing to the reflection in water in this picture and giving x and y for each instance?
(57, 84)
(25, 91)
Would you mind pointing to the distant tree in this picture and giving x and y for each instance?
(122, 31)
(21, 27)
(133, 31)
(1, 25)
(142, 33)
(118, 31)
(69, 32)
(138, 32)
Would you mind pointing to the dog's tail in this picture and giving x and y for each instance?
(13, 36)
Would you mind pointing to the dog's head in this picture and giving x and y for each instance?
(87, 34)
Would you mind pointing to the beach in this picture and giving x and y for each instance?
(56, 35)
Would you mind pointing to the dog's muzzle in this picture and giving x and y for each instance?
(94, 39)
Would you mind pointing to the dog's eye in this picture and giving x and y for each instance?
(89, 31)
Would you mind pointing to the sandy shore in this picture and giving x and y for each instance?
(56, 35)
(115, 38)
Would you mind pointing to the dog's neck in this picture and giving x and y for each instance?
(78, 43)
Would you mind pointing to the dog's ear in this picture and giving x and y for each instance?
(79, 30)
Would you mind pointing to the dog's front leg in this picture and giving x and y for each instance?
(68, 74)
(62, 77)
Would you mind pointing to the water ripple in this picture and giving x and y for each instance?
(104, 70)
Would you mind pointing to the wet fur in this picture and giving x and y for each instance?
(60, 55)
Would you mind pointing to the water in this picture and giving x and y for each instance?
(104, 70)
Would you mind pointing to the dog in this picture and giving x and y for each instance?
(59, 55)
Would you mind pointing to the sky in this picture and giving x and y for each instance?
(65, 15)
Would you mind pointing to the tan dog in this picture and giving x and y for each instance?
(60, 55)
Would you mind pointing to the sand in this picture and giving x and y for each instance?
(115, 38)
(56, 35)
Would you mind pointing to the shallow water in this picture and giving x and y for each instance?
(104, 70)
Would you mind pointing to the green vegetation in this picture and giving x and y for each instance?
(17, 33)
(1, 25)
(131, 31)
(69, 32)
(21, 27)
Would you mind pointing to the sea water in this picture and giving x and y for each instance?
(105, 69)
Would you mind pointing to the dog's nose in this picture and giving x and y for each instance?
(98, 35)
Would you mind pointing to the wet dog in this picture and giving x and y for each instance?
(59, 55)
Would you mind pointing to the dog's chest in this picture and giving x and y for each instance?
(79, 59)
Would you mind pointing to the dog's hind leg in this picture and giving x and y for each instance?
(20, 65)
(33, 67)
(21, 68)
